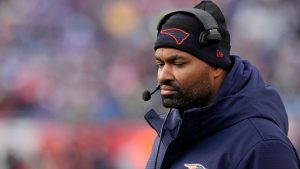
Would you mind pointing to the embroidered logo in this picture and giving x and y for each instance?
(177, 34)
(219, 54)
(194, 166)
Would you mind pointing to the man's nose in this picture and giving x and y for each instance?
(165, 74)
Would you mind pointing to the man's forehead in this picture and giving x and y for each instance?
(171, 53)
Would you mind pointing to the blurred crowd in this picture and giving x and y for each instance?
(86, 62)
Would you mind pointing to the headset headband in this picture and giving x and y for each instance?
(210, 25)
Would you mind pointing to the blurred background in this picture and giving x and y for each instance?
(72, 73)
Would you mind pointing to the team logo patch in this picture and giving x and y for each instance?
(194, 166)
(177, 34)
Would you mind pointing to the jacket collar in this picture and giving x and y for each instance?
(198, 122)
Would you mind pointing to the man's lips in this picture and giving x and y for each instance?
(167, 90)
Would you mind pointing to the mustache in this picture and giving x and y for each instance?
(171, 84)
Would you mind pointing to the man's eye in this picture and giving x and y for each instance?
(179, 64)
(159, 65)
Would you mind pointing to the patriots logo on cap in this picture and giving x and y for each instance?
(177, 34)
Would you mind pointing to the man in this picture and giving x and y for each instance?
(222, 114)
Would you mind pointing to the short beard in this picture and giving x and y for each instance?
(189, 98)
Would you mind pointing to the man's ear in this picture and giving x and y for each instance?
(217, 72)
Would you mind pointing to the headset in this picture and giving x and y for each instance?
(211, 32)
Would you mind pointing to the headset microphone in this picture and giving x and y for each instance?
(147, 94)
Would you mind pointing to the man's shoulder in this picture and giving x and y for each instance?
(267, 129)
(267, 144)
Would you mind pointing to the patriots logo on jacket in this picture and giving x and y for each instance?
(194, 166)
(177, 34)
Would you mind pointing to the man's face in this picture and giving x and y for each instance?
(184, 79)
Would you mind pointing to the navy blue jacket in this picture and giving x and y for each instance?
(244, 127)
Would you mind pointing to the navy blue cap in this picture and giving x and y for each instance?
(182, 30)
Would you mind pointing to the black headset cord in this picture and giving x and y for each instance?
(160, 137)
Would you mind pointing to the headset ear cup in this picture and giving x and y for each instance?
(203, 38)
